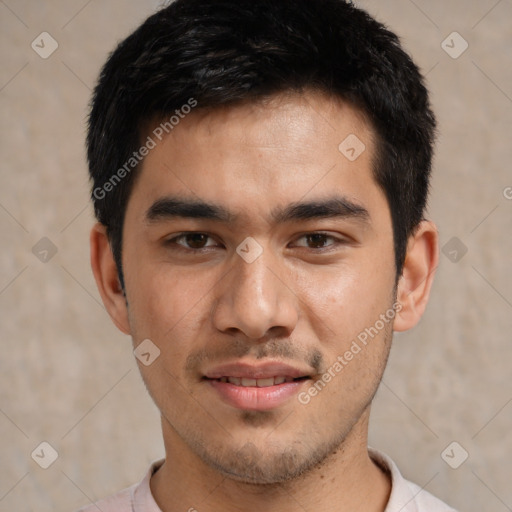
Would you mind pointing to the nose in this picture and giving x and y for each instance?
(255, 299)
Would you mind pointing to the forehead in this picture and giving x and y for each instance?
(254, 156)
(289, 123)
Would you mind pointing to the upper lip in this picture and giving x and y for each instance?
(256, 371)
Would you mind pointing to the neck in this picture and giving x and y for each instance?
(348, 480)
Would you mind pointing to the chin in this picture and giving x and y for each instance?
(256, 466)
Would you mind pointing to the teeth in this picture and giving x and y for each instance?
(264, 383)
(260, 383)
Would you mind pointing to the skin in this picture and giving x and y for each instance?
(302, 301)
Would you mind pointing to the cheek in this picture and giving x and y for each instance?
(160, 298)
(349, 298)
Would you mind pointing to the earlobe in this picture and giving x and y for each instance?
(417, 275)
(105, 273)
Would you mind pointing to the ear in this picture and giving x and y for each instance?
(105, 272)
(417, 276)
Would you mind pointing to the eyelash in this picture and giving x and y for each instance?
(173, 241)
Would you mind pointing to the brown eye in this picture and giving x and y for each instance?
(191, 241)
(318, 240)
(196, 240)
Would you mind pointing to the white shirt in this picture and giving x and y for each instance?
(405, 496)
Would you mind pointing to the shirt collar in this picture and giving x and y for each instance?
(401, 498)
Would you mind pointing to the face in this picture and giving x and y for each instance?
(256, 256)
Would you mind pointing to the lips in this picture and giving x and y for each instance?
(261, 371)
(256, 386)
(259, 383)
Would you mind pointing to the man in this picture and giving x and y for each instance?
(260, 172)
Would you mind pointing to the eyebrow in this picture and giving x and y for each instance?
(168, 208)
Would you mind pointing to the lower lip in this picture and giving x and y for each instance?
(252, 398)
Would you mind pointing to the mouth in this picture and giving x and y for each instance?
(259, 383)
(256, 387)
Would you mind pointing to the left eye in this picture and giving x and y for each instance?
(192, 240)
(318, 240)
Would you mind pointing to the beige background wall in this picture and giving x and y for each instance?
(68, 376)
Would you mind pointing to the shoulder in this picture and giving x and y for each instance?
(137, 498)
(119, 502)
(426, 502)
(406, 496)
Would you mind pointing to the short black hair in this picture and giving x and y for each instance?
(224, 52)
